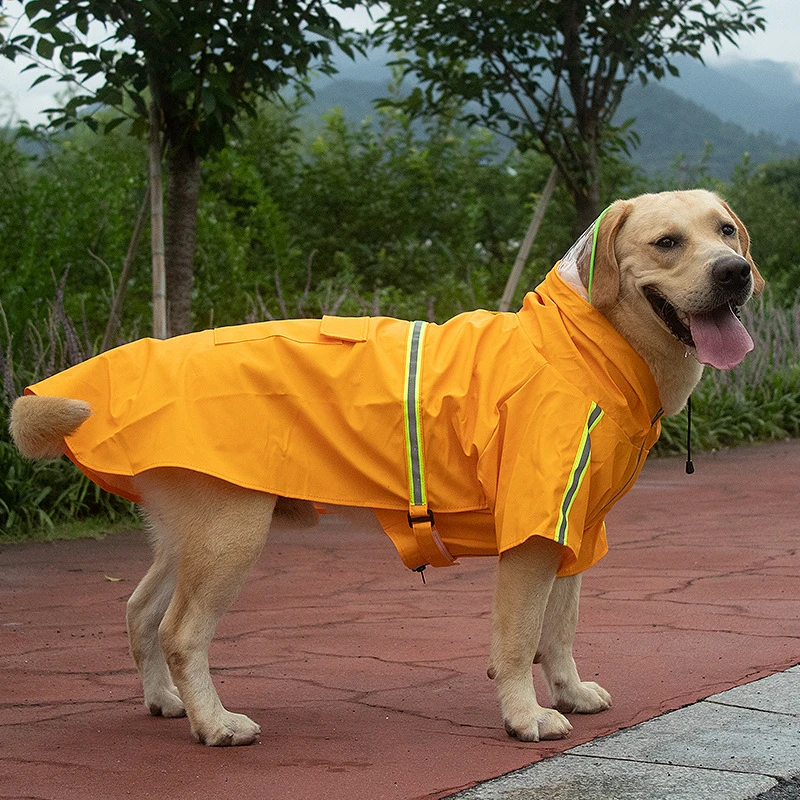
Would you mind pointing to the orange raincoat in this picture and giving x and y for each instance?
(532, 423)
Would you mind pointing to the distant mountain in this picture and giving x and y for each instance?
(670, 127)
(757, 95)
(355, 97)
(738, 107)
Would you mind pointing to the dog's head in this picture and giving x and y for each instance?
(679, 263)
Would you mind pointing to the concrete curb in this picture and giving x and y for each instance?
(735, 745)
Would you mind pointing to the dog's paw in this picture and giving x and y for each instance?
(165, 703)
(227, 730)
(582, 698)
(543, 723)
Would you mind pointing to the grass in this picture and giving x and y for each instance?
(92, 528)
(38, 497)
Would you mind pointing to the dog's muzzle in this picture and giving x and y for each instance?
(715, 331)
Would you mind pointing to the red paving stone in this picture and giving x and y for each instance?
(369, 685)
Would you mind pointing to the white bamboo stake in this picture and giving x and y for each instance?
(527, 242)
(157, 227)
(115, 315)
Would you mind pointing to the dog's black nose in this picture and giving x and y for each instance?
(731, 272)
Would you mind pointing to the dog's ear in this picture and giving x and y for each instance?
(744, 241)
(605, 281)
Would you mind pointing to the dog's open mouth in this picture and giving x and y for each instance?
(717, 336)
(668, 314)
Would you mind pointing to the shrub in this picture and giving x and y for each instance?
(36, 496)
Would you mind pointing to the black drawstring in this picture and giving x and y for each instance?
(689, 464)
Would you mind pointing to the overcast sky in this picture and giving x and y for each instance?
(780, 42)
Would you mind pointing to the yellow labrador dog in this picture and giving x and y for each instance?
(660, 277)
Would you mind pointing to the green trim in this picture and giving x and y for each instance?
(580, 466)
(594, 249)
(412, 415)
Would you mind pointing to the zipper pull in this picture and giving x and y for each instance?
(689, 462)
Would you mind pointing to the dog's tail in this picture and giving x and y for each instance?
(39, 424)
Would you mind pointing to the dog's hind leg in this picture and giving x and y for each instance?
(567, 692)
(218, 530)
(146, 609)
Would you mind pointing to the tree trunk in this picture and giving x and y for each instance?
(183, 188)
(587, 198)
(587, 205)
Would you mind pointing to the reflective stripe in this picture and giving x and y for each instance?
(595, 232)
(411, 416)
(431, 548)
(579, 469)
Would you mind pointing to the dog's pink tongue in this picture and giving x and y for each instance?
(720, 338)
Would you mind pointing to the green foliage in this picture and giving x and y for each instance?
(205, 61)
(551, 75)
(768, 198)
(188, 70)
(72, 210)
(37, 496)
(379, 184)
(434, 214)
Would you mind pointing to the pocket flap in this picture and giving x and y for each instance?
(347, 329)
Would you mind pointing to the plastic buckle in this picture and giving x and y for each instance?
(416, 520)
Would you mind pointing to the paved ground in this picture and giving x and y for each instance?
(734, 745)
(369, 685)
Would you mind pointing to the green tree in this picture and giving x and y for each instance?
(551, 75)
(69, 207)
(200, 62)
(767, 197)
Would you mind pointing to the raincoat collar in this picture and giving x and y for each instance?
(585, 348)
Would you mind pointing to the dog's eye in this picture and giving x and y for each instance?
(728, 229)
(666, 242)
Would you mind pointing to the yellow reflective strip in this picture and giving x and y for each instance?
(412, 415)
(417, 380)
(580, 467)
(406, 430)
(598, 413)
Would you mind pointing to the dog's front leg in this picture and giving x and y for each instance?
(525, 578)
(567, 692)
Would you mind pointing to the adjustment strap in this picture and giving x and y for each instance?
(420, 518)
